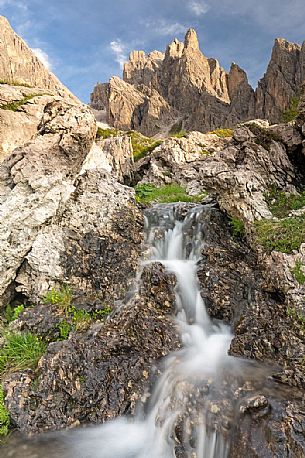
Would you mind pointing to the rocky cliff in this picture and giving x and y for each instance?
(19, 65)
(183, 89)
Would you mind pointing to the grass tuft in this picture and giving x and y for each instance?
(107, 133)
(61, 297)
(237, 227)
(20, 351)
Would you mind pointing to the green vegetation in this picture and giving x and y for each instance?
(283, 235)
(147, 193)
(15, 83)
(61, 297)
(107, 133)
(142, 145)
(237, 227)
(12, 313)
(176, 128)
(263, 136)
(20, 351)
(180, 134)
(64, 329)
(281, 204)
(293, 111)
(222, 133)
(298, 272)
(4, 416)
(14, 106)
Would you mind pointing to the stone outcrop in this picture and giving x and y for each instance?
(282, 81)
(184, 88)
(101, 373)
(19, 65)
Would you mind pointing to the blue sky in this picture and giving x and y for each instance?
(85, 41)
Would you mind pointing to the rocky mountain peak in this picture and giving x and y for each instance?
(191, 40)
(18, 63)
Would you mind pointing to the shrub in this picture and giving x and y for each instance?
(283, 235)
(293, 111)
(281, 204)
(147, 193)
(238, 227)
(298, 272)
(20, 351)
(4, 416)
(222, 133)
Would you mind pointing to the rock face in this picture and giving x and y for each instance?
(118, 357)
(19, 65)
(182, 89)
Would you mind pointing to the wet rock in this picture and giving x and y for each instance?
(101, 373)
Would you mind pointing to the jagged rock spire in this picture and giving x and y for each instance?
(191, 40)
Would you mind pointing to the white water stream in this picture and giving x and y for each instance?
(174, 422)
(177, 245)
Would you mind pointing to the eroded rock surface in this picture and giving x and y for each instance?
(101, 373)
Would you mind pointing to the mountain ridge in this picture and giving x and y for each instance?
(184, 87)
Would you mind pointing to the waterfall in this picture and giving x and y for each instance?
(190, 408)
(177, 244)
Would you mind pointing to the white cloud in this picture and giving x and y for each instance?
(198, 7)
(119, 49)
(165, 28)
(43, 57)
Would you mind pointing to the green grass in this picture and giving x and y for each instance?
(14, 106)
(293, 111)
(20, 351)
(147, 193)
(4, 416)
(142, 145)
(107, 133)
(297, 316)
(222, 133)
(283, 235)
(281, 204)
(61, 297)
(237, 227)
(298, 272)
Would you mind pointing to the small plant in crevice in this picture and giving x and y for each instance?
(142, 145)
(297, 316)
(298, 273)
(237, 227)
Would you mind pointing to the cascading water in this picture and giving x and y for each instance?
(179, 420)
